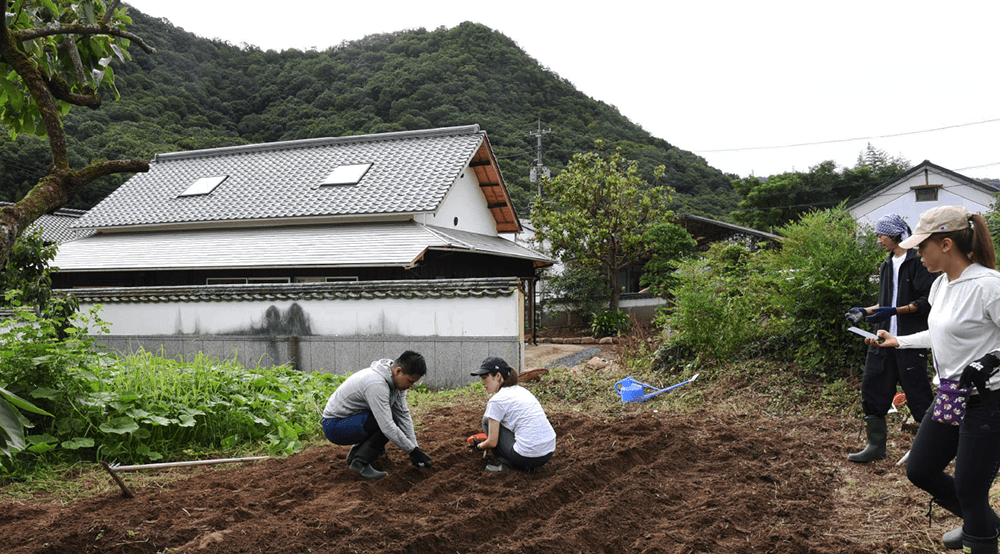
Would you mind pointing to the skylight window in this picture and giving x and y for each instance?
(347, 174)
(204, 185)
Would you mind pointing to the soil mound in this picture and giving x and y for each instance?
(707, 481)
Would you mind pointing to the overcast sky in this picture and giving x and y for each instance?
(742, 84)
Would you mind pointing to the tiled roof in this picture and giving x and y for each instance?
(355, 245)
(372, 290)
(57, 227)
(411, 173)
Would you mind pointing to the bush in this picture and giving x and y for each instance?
(584, 288)
(725, 302)
(829, 265)
(610, 323)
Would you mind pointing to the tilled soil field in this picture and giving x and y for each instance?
(713, 480)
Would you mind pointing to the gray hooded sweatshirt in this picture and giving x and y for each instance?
(372, 389)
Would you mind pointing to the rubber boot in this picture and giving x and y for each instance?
(352, 453)
(979, 545)
(953, 539)
(876, 429)
(363, 458)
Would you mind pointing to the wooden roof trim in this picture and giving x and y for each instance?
(495, 191)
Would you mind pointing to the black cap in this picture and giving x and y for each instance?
(493, 365)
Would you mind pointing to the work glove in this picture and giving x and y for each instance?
(855, 315)
(419, 459)
(979, 372)
(474, 440)
(881, 314)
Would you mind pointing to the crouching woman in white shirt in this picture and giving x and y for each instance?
(515, 424)
(964, 337)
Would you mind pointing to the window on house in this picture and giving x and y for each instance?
(323, 279)
(926, 194)
(246, 280)
(205, 185)
(347, 174)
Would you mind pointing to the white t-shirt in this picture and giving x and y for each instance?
(964, 322)
(897, 262)
(518, 410)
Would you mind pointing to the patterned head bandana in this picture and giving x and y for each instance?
(891, 225)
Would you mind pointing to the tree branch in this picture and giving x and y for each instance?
(37, 87)
(61, 89)
(79, 29)
(110, 11)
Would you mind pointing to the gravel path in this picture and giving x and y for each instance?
(573, 359)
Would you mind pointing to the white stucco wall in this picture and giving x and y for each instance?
(435, 317)
(466, 203)
(901, 199)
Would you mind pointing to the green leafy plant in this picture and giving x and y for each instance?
(725, 303)
(577, 288)
(828, 264)
(610, 323)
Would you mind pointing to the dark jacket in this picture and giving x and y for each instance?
(914, 287)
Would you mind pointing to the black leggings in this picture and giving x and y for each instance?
(975, 447)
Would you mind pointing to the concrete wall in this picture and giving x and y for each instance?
(449, 359)
(330, 327)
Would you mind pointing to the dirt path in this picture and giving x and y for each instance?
(713, 480)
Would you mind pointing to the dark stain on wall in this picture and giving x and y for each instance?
(293, 322)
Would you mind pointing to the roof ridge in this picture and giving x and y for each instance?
(289, 144)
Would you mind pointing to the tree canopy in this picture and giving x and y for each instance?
(596, 211)
(768, 203)
(54, 56)
(196, 93)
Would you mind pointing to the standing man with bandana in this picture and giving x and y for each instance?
(904, 284)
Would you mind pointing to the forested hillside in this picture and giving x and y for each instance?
(195, 93)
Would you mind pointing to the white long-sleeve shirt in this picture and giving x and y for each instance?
(963, 324)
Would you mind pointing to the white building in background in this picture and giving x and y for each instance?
(925, 186)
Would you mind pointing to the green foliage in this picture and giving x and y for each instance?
(993, 219)
(12, 423)
(597, 212)
(147, 408)
(829, 265)
(19, 113)
(668, 244)
(195, 93)
(733, 304)
(610, 323)
(725, 306)
(583, 288)
(770, 202)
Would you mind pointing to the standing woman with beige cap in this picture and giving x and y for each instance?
(964, 337)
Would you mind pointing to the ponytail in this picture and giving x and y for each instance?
(975, 242)
(983, 251)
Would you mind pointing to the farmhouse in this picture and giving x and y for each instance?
(323, 253)
(925, 186)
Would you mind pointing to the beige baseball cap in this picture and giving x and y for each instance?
(941, 219)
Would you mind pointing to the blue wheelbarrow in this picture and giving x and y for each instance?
(634, 391)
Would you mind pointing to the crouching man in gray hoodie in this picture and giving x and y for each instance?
(369, 409)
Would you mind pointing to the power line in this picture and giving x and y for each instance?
(834, 141)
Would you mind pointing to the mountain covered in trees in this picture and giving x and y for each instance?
(195, 93)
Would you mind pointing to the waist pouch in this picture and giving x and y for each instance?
(951, 402)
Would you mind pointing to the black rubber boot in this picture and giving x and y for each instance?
(363, 458)
(953, 539)
(352, 453)
(979, 545)
(876, 429)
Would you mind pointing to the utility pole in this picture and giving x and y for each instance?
(539, 169)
